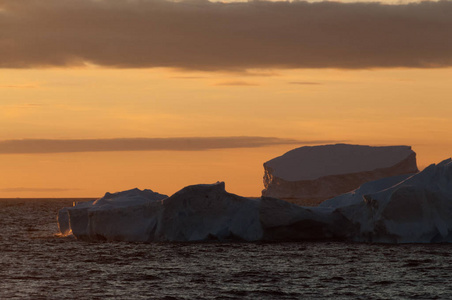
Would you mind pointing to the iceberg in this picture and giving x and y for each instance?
(196, 213)
(418, 209)
(312, 174)
(414, 208)
(119, 216)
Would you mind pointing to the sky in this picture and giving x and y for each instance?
(106, 95)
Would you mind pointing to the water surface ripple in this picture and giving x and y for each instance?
(36, 264)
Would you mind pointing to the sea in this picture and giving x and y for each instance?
(37, 263)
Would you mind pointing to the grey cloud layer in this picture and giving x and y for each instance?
(142, 144)
(212, 36)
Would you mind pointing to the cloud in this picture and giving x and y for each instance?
(143, 144)
(18, 86)
(236, 83)
(27, 105)
(205, 35)
(188, 77)
(305, 83)
(34, 190)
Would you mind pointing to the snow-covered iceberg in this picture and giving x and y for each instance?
(417, 209)
(119, 216)
(312, 174)
(400, 209)
(195, 213)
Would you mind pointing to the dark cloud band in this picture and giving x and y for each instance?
(213, 36)
(142, 144)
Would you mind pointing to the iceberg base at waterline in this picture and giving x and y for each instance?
(402, 209)
(195, 213)
(418, 209)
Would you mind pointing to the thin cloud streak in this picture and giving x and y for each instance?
(305, 83)
(202, 35)
(18, 86)
(35, 146)
(187, 77)
(235, 83)
(34, 190)
(26, 105)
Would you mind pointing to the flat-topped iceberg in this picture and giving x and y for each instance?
(312, 174)
(401, 209)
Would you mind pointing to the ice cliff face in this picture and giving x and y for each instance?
(203, 212)
(119, 215)
(418, 209)
(195, 213)
(314, 174)
(402, 209)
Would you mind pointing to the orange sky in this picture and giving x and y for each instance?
(389, 105)
(377, 107)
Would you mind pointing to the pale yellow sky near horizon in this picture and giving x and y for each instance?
(376, 107)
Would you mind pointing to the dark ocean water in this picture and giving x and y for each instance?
(36, 264)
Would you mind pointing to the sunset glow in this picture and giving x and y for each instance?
(325, 91)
